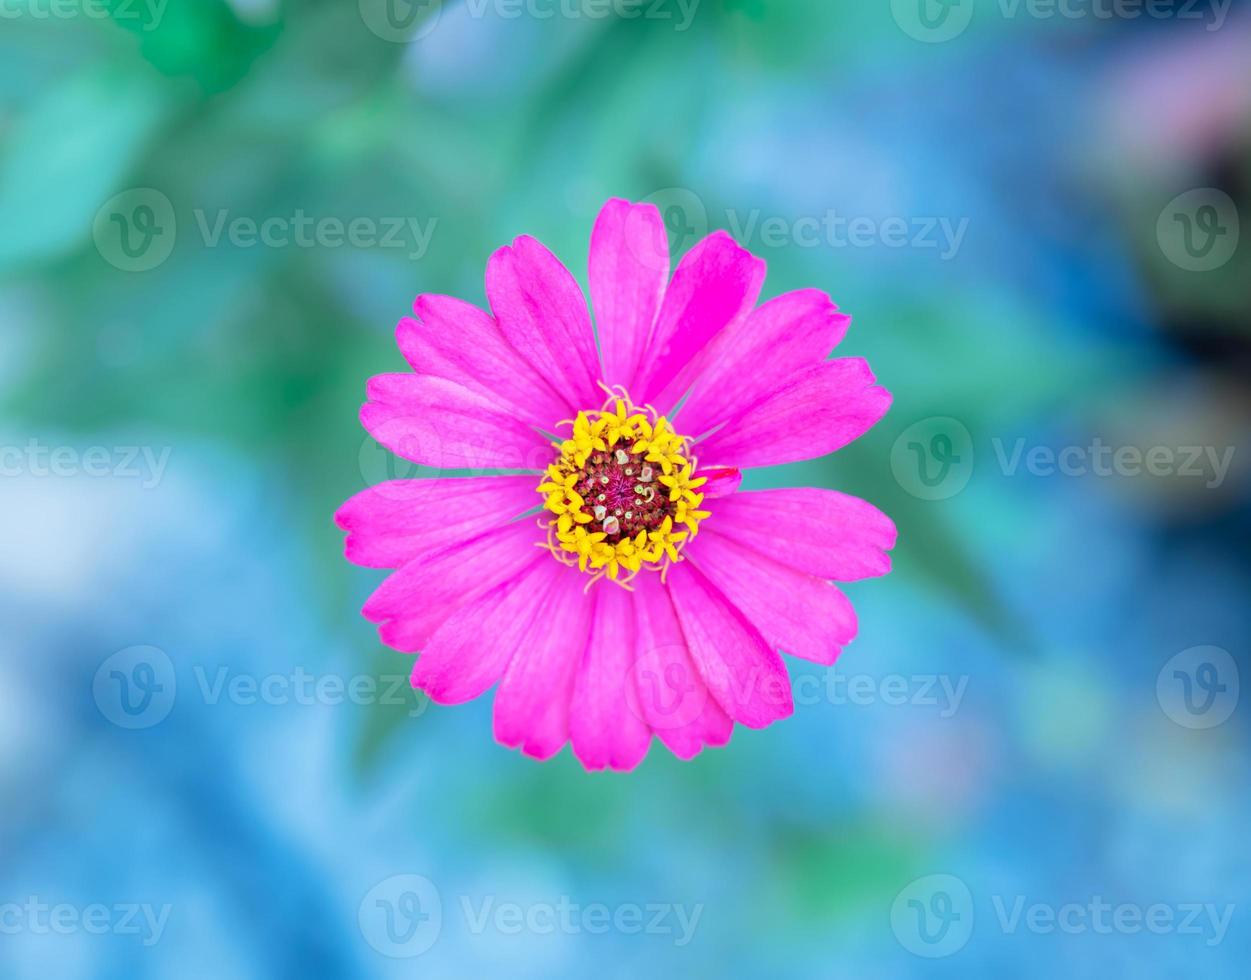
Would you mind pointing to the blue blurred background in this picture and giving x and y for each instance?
(1033, 761)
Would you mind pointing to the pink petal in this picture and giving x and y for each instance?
(532, 702)
(797, 613)
(811, 414)
(603, 728)
(543, 314)
(716, 283)
(722, 481)
(397, 521)
(667, 691)
(454, 340)
(821, 532)
(744, 674)
(439, 423)
(629, 267)
(760, 353)
(471, 650)
(413, 602)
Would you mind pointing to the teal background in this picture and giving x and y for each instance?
(1011, 715)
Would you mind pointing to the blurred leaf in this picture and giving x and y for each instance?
(824, 874)
(204, 40)
(65, 157)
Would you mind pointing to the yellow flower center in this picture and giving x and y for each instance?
(621, 493)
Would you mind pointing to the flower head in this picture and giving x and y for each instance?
(623, 492)
(650, 596)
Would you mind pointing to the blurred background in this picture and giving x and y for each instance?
(1032, 762)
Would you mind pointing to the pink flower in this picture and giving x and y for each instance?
(650, 596)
